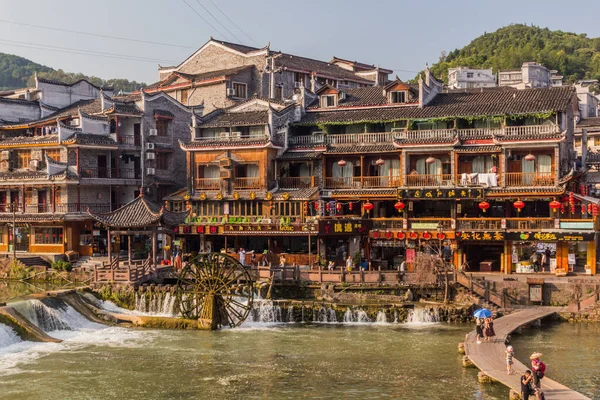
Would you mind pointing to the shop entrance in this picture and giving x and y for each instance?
(483, 257)
(22, 238)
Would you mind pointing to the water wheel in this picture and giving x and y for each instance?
(215, 289)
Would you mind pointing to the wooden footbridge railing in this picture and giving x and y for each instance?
(136, 272)
(490, 357)
(484, 290)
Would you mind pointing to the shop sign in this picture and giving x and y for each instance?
(410, 255)
(577, 225)
(424, 225)
(260, 228)
(551, 236)
(481, 236)
(345, 227)
(441, 193)
(387, 243)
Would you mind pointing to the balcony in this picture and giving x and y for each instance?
(432, 135)
(429, 224)
(110, 173)
(424, 180)
(247, 183)
(530, 130)
(297, 182)
(534, 224)
(208, 184)
(478, 224)
(478, 133)
(226, 137)
(362, 182)
(529, 179)
(342, 138)
(61, 208)
(130, 140)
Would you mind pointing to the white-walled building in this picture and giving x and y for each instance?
(470, 78)
(588, 102)
(531, 75)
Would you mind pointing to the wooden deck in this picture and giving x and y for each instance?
(490, 358)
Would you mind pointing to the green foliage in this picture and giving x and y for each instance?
(574, 56)
(61, 265)
(18, 271)
(18, 72)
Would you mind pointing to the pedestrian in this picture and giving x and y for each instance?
(544, 261)
(349, 263)
(526, 385)
(538, 368)
(253, 258)
(403, 266)
(282, 261)
(479, 329)
(489, 329)
(534, 261)
(331, 266)
(509, 353)
(242, 254)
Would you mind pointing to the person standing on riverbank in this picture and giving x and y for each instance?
(242, 254)
(510, 353)
(538, 368)
(489, 329)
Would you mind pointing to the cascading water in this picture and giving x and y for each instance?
(381, 318)
(324, 315)
(290, 313)
(356, 316)
(265, 311)
(8, 336)
(159, 304)
(419, 315)
(52, 315)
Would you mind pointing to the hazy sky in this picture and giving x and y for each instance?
(396, 34)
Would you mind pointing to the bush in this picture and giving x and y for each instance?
(62, 266)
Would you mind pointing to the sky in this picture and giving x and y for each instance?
(396, 34)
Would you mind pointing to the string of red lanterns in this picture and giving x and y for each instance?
(484, 205)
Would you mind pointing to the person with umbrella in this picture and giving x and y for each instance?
(480, 315)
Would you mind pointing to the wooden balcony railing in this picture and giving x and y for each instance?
(431, 223)
(344, 182)
(229, 136)
(208, 183)
(247, 183)
(531, 130)
(478, 133)
(388, 223)
(421, 180)
(529, 223)
(529, 179)
(366, 182)
(433, 135)
(61, 208)
(297, 182)
(318, 138)
(478, 224)
(352, 138)
(130, 140)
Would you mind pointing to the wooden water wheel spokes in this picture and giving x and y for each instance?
(215, 289)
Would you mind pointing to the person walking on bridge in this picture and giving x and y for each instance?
(538, 368)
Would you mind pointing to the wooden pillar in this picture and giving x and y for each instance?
(591, 256)
(53, 199)
(77, 160)
(78, 198)
(23, 197)
(129, 248)
(507, 257)
(109, 247)
(153, 246)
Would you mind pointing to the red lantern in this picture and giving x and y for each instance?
(484, 205)
(426, 235)
(413, 235)
(571, 199)
(583, 209)
(430, 160)
(441, 236)
(350, 206)
(316, 206)
(368, 206)
(376, 235)
(399, 206)
(518, 205)
(589, 208)
(389, 235)
(401, 235)
(530, 157)
(594, 210)
(338, 206)
(562, 208)
(199, 229)
(554, 205)
(327, 207)
(342, 163)
(379, 162)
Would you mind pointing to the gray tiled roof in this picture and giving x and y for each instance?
(297, 194)
(300, 155)
(368, 96)
(245, 118)
(203, 144)
(319, 67)
(361, 148)
(88, 138)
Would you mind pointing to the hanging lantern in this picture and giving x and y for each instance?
(430, 160)
(380, 162)
(401, 235)
(426, 235)
(571, 199)
(368, 206)
(413, 235)
(589, 208)
(350, 206)
(530, 157)
(399, 206)
(518, 205)
(484, 205)
(375, 235)
(554, 205)
(327, 207)
(342, 163)
(338, 206)
(441, 236)
(594, 210)
(388, 235)
(562, 208)
(316, 206)
(583, 209)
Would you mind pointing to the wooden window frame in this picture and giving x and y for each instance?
(162, 127)
(235, 86)
(397, 93)
(162, 160)
(20, 157)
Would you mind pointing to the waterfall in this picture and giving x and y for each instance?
(168, 305)
(331, 315)
(162, 304)
(423, 316)
(52, 315)
(324, 315)
(140, 303)
(265, 311)
(290, 313)
(381, 317)
(356, 316)
(8, 336)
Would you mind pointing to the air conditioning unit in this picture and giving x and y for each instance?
(225, 163)
(33, 165)
(150, 171)
(224, 134)
(149, 146)
(236, 135)
(5, 155)
(152, 132)
(230, 92)
(150, 156)
(326, 193)
(225, 174)
(297, 84)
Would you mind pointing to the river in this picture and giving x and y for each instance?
(270, 360)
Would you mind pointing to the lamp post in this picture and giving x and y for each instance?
(309, 227)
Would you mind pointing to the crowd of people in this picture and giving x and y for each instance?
(484, 327)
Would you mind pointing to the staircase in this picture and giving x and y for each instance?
(483, 291)
(33, 261)
(87, 263)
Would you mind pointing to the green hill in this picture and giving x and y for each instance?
(574, 56)
(17, 72)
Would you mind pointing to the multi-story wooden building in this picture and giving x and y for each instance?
(94, 152)
(392, 170)
(221, 74)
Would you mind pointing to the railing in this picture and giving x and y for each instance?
(531, 130)
(483, 290)
(297, 182)
(231, 136)
(101, 173)
(344, 182)
(380, 181)
(428, 223)
(208, 183)
(529, 223)
(129, 173)
(38, 208)
(162, 139)
(529, 179)
(247, 183)
(130, 140)
(60, 208)
(354, 182)
(307, 139)
(431, 135)
(429, 180)
(478, 224)
(478, 133)
(351, 138)
(388, 223)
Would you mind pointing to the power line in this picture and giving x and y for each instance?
(204, 19)
(234, 24)
(219, 22)
(78, 51)
(96, 34)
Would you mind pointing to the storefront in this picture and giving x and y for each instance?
(340, 238)
(481, 251)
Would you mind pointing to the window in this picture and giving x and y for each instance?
(596, 140)
(469, 74)
(240, 90)
(577, 143)
(162, 161)
(22, 159)
(279, 92)
(48, 235)
(398, 96)
(328, 101)
(162, 127)
(184, 96)
(53, 154)
(298, 77)
(57, 196)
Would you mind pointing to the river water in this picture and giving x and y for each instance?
(268, 360)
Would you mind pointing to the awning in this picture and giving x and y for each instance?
(588, 199)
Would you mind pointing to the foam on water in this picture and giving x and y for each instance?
(420, 316)
(159, 304)
(8, 336)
